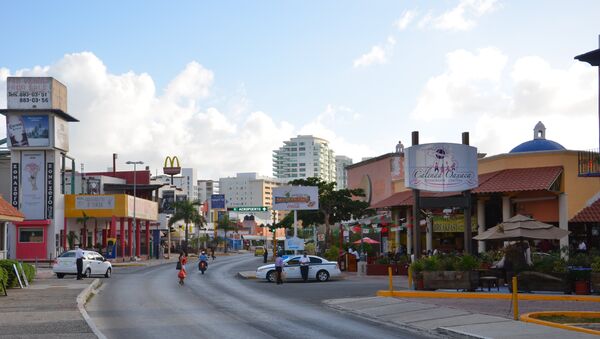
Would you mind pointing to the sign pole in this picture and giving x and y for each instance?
(467, 210)
(295, 227)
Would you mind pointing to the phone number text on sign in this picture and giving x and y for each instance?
(29, 93)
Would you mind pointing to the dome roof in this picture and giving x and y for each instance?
(539, 142)
(537, 145)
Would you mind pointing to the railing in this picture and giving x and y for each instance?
(589, 163)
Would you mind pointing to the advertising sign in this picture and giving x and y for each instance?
(93, 186)
(50, 190)
(295, 198)
(14, 179)
(441, 167)
(249, 209)
(452, 224)
(167, 201)
(217, 201)
(29, 92)
(294, 243)
(61, 134)
(32, 179)
(101, 202)
(28, 130)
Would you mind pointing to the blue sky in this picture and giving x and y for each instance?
(223, 83)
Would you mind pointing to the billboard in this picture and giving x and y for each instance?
(32, 181)
(167, 201)
(441, 167)
(61, 134)
(288, 198)
(217, 201)
(28, 130)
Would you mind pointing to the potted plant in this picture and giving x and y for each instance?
(451, 272)
(580, 272)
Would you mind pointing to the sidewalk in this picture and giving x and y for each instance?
(440, 320)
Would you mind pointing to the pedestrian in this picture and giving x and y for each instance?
(265, 255)
(212, 253)
(182, 272)
(79, 262)
(279, 268)
(582, 248)
(304, 265)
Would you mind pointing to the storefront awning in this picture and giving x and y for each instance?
(405, 198)
(519, 179)
(9, 213)
(589, 213)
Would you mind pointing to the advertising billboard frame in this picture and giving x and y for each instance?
(289, 198)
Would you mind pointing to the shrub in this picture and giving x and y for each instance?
(447, 263)
(579, 260)
(596, 265)
(383, 260)
(12, 280)
(467, 263)
(332, 253)
(416, 268)
(3, 276)
(310, 248)
(430, 263)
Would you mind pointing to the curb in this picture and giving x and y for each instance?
(475, 295)
(452, 333)
(531, 318)
(243, 275)
(82, 300)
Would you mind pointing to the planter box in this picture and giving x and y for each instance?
(382, 269)
(596, 282)
(535, 281)
(455, 280)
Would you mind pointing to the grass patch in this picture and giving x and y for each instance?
(561, 319)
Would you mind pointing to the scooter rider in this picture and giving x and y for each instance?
(203, 258)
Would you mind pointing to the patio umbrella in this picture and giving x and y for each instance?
(366, 240)
(522, 227)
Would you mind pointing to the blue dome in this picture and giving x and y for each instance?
(537, 145)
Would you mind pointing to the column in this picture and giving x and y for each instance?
(122, 230)
(429, 238)
(505, 208)
(113, 227)
(148, 239)
(65, 235)
(481, 223)
(409, 231)
(95, 238)
(137, 238)
(130, 236)
(563, 214)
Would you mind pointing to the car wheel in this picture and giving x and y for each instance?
(88, 273)
(322, 276)
(271, 276)
(60, 275)
(108, 272)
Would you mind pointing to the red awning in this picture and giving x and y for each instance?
(518, 179)
(589, 213)
(9, 213)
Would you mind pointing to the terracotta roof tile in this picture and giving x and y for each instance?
(589, 213)
(7, 212)
(518, 179)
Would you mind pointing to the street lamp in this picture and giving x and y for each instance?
(134, 163)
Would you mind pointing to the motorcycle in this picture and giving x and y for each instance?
(202, 266)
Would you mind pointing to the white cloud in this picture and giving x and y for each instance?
(405, 19)
(464, 16)
(377, 55)
(124, 114)
(502, 102)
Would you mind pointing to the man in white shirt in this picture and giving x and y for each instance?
(304, 263)
(582, 247)
(79, 261)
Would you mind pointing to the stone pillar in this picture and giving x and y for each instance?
(481, 223)
(409, 231)
(563, 215)
(429, 238)
(137, 238)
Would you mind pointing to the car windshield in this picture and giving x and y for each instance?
(69, 254)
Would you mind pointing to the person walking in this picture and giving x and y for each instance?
(304, 265)
(79, 262)
(279, 268)
(265, 255)
(212, 253)
(182, 272)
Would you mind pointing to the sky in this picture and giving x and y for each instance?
(221, 84)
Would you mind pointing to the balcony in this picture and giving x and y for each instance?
(589, 163)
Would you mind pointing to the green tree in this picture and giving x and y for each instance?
(227, 225)
(83, 220)
(334, 205)
(187, 211)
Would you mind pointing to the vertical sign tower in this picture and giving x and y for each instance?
(38, 137)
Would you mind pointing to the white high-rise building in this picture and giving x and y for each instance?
(206, 188)
(341, 161)
(248, 189)
(303, 157)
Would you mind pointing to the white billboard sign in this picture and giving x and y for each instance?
(287, 198)
(33, 185)
(441, 167)
(29, 92)
(94, 202)
(294, 243)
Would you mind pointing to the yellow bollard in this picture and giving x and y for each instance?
(515, 298)
(410, 280)
(391, 284)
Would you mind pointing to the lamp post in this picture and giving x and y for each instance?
(134, 163)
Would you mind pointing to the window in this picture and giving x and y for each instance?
(302, 154)
(69, 254)
(314, 260)
(302, 149)
(31, 234)
(294, 261)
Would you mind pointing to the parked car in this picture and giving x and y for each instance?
(320, 269)
(259, 251)
(93, 264)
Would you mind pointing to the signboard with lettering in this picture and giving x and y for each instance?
(452, 224)
(50, 190)
(94, 202)
(441, 167)
(217, 201)
(249, 209)
(35, 92)
(14, 179)
(289, 198)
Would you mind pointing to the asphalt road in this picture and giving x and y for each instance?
(148, 303)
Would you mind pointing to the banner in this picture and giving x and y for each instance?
(441, 167)
(167, 201)
(15, 179)
(28, 130)
(99, 202)
(50, 190)
(288, 198)
(217, 201)
(32, 179)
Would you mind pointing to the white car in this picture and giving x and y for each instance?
(320, 269)
(93, 264)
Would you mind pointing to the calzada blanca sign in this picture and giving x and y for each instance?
(441, 167)
(289, 198)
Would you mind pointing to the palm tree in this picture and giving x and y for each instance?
(226, 225)
(188, 212)
(83, 220)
